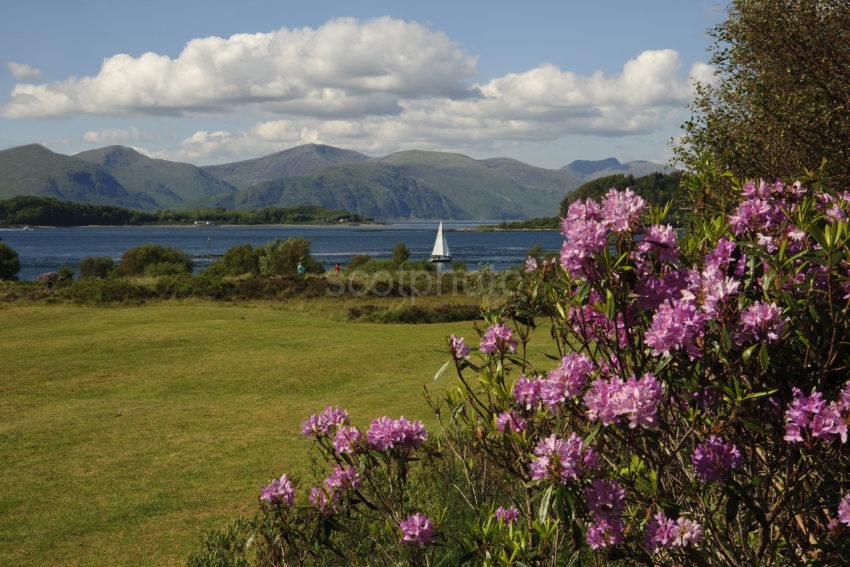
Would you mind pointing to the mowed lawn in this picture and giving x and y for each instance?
(126, 431)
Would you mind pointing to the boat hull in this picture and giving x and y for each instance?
(440, 259)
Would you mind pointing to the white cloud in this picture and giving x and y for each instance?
(342, 67)
(111, 136)
(23, 71)
(541, 104)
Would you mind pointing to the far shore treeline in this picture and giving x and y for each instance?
(46, 211)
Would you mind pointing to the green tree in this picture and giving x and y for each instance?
(135, 261)
(400, 253)
(780, 101)
(241, 259)
(10, 264)
(281, 257)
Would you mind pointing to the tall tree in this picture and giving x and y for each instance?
(780, 103)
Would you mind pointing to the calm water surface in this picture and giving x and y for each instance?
(45, 249)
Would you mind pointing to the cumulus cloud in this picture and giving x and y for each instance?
(23, 71)
(341, 68)
(110, 136)
(541, 104)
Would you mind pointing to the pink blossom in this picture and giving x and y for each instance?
(661, 241)
(621, 210)
(762, 321)
(608, 400)
(385, 433)
(278, 491)
(347, 439)
(676, 326)
(417, 530)
(567, 380)
(510, 421)
(507, 515)
(557, 459)
(714, 459)
(752, 215)
(458, 347)
(530, 264)
(584, 236)
(605, 531)
(662, 532)
(527, 391)
(325, 423)
(605, 498)
(498, 338)
(322, 500)
(812, 412)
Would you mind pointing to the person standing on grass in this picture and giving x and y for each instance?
(300, 269)
(336, 268)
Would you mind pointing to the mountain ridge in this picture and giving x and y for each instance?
(406, 184)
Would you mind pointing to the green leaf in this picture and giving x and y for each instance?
(442, 370)
(545, 502)
(764, 357)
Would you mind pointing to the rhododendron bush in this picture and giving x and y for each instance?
(650, 398)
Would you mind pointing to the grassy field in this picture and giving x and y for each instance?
(127, 430)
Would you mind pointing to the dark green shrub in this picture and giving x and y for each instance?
(65, 274)
(459, 266)
(241, 259)
(400, 253)
(99, 267)
(281, 257)
(10, 265)
(165, 269)
(135, 260)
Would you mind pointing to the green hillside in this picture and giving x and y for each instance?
(35, 170)
(418, 184)
(294, 162)
(167, 183)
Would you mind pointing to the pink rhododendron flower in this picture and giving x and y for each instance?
(417, 530)
(608, 400)
(527, 391)
(844, 510)
(322, 500)
(347, 440)
(565, 381)
(325, 423)
(557, 459)
(585, 234)
(498, 338)
(676, 326)
(530, 264)
(812, 412)
(605, 531)
(662, 532)
(278, 491)
(762, 321)
(605, 497)
(661, 241)
(458, 347)
(714, 458)
(621, 210)
(507, 515)
(510, 421)
(386, 433)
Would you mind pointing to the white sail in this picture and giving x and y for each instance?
(441, 247)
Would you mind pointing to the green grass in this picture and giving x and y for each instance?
(127, 430)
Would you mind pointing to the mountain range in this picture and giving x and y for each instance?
(402, 185)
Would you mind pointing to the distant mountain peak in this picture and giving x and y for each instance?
(587, 166)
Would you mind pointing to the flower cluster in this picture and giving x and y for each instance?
(824, 421)
(347, 440)
(458, 348)
(325, 423)
(609, 400)
(386, 433)
(325, 498)
(417, 530)
(278, 491)
(498, 338)
(564, 382)
(661, 242)
(662, 532)
(559, 459)
(507, 515)
(844, 510)
(676, 325)
(714, 458)
(762, 322)
(605, 500)
(510, 421)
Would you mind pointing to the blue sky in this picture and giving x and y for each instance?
(546, 82)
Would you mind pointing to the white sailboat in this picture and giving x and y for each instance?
(441, 253)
